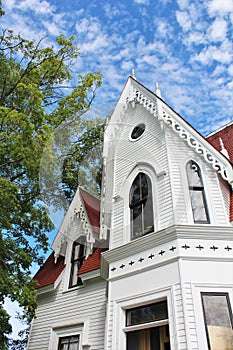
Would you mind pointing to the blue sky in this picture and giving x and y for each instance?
(185, 46)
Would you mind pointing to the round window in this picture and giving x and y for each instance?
(138, 131)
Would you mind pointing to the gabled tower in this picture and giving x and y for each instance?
(166, 199)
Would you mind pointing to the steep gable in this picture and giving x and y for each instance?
(82, 216)
(92, 205)
(134, 92)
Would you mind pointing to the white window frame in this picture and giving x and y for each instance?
(207, 190)
(119, 316)
(68, 329)
(143, 209)
(125, 191)
(197, 289)
(198, 189)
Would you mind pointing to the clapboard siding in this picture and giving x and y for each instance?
(190, 317)
(181, 342)
(226, 191)
(179, 154)
(110, 326)
(57, 307)
(151, 150)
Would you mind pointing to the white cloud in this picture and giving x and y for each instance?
(220, 69)
(52, 28)
(8, 5)
(184, 20)
(195, 37)
(39, 7)
(112, 11)
(163, 28)
(144, 2)
(230, 70)
(93, 37)
(220, 7)
(25, 28)
(213, 53)
(218, 30)
(183, 4)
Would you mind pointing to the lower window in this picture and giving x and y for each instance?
(69, 343)
(156, 338)
(218, 320)
(147, 327)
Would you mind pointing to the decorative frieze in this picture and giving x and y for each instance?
(169, 252)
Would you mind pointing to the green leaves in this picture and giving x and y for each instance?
(39, 103)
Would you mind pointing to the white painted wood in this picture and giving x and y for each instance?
(84, 305)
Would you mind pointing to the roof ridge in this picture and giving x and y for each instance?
(219, 129)
(91, 194)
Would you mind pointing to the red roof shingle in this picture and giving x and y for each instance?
(92, 262)
(49, 272)
(226, 135)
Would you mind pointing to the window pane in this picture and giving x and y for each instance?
(140, 203)
(218, 320)
(78, 257)
(138, 131)
(149, 339)
(148, 216)
(198, 206)
(144, 186)
(69, 343)
(197, 194)
(136, 221)
(148, 313)
(76, 251)
(194, 174)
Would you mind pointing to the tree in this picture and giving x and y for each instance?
(37, 94)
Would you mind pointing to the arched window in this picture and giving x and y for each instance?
(197, 194)
(141, 208)
(77, 259)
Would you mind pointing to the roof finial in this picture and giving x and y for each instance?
(157, 91)
(133, 75)
(223, 149)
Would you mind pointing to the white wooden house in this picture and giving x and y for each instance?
(150, 265)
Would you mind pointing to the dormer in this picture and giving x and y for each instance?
(77, 245)
(158, 171)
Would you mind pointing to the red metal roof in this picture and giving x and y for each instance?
(92, 262)
(226, 135)
(49, 272)
(92, 205)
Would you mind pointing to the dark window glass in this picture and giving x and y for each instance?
(218, 320)
(154, 338)
(141, 208)
(147, 313)
(69, 343)
(138, 131)
(77, 259)
(197, 194)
